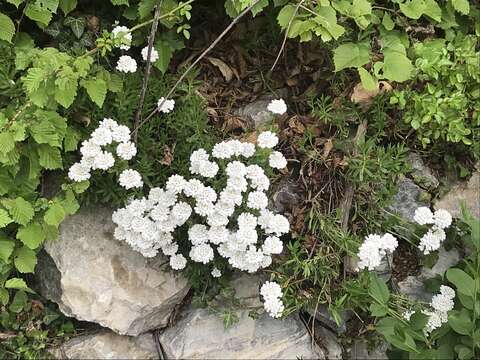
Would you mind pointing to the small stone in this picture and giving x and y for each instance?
(413, 288)
(466, 192)
(360, 351)
(407, 199)
(421, 174)
(329, 342)
(446, 260)
(324, 317)
(285, 196)
(107, 345)
(94, 277)
(256, 113)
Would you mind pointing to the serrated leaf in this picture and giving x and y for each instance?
(76, 24)
(285, 15)
(7, 142)
(54, 215)
(462, 6)
(4, 296)
(7, 28)
(31, 235)
(19, 302)
(72, 137)
(6, 249)
(351, 55)
(413, 9)
(49, 157)
(36, 13)
(115, 84)
(25, 260)
(396, 66)
(19, 209)
(67, 6)
(145, 7)
(433, 10)
(96, 89)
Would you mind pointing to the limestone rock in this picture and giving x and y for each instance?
(468, 192)
(329, 342)
(256, 113)
(361, 351)
(200, 334)
(446, 260)
(326, 319)
(421, 174)
(413, 288)
(408, 199)
(94, 277)
(285, 196)
(107, 345)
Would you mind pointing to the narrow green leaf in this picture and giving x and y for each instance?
(19, 302)
(378, 290)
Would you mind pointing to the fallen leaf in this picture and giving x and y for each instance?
(295, 124)
(364, 97)
(231, 123)
(167, 155)
(224, 68)
(327, 147)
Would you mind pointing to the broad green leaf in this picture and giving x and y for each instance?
(7, 142)
(15, 2)
(396, 66)
(115, 84)
(119, 2)
(145, 7)
(43, 132)
(463, 282)
(463, 351)
(54, 215)
(462, 6)
(72, 137)
(378, 290)
(368, 81)
(49, 157)
(67, 6)
(19, 302)
(165, 52)
(361, 8)
(5, 219)
(96, 89)
(80, 187)
(20, 210)
(285, 15)
(19, 284)
(66, 89)
(37, 13)
(31, 235)
(328, 19)
(433, 10)
(76, 24)
(25, 260)
(70, 203)
(378, 310)
(418, 321)
(413, 9)
(4, 296)
(6, 249)
(258, 7)
(7, 28)
(351, 55)
(460, 321)
(387, 22)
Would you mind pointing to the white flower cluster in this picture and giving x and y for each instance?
(277, 107)
(126, 64)
(374, 248)
(272, 297)
(441, 304)
(95, 157)
(439, 221)
(123, 33)
(153, 54)
(213, 227)
(165, 106)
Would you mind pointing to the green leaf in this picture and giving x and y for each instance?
(6, 249)
(5, 219)
(25, 260)
(7, 142)
(31, 235)
(7, 28)
(351, 55)
(49, 157)
(418, 321)
(20, 210)
(433, 10)
(463, 351)
(19, 284)
(15, 2)
(165, 52)
(464, 282)
(460, 321)
(396, 66)
(72, 137)
(368, 81)
(145, 7)
(4, 296)
(19, 302)
(119, 2)
(378, 310)
(413, 9)
(378, 290)
(285, 15)
(96, 89)
(67, 6)
(462, 6)
(76, 24)
(54, 215)
(37, 13)
(66, 90)
(387, 22)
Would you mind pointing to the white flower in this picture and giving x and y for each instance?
(103, 161)
(408, 314)
(442, 218)
(447, 291)
(223, 150)
(130, 179)
(434, 321)
(431, 241)
(247, 221)
(89, 149)
(126, 150)
(272, 245)
(277, 107)
(248, 149)
(153, 54)
(123, 33)
(216, 273)
(79, 172)
(236, 169)
(108, 123)
(126, 64)
(100, 136)
(202, 253)
(369, 254)
(276, 160)
(267, 140)
(181, 211)
(178, 262)
(121, 133)
(271, 290)
(170, 249)
(198, 234)
(274, 308)
(257, 200)
(167, 105)
(218, 234)
(389, 242)
(176, 184)
(423, 216)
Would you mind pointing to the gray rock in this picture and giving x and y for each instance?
(285, 196)
(421, 174)
(96, 278)
(360, 351)
(325, 318)
(200, 334)
(467, 192)
(107, 345)
(446, 259)
(413, 288)
(329, 342)
(408, 199)
(256, 113)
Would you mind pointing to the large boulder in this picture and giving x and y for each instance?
(94, 277)
(467, 193)
(107, 345)
(200, 334)
(421, 173)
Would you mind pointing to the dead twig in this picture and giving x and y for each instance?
(192, 65)
(148, 68)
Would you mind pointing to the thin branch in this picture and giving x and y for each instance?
(286, 35)
(148, 69)
(200, 57)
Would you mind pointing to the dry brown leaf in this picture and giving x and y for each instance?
(327, 148)
(224, 68)
(296, 125)
(364, 97)
(167, 155)
(93, 23)
(231, 123)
